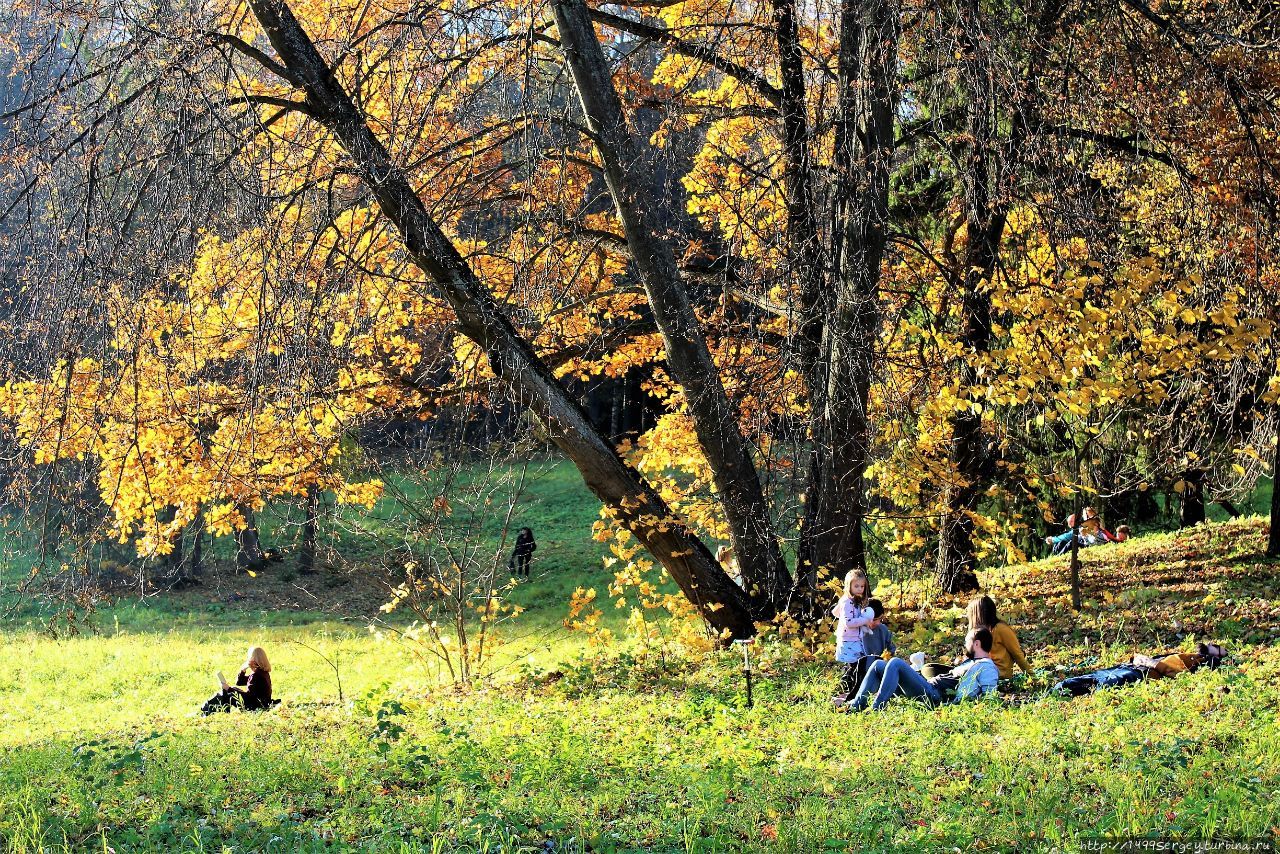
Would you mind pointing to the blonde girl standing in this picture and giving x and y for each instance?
(852, 614)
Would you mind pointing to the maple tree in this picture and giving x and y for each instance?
(849, 246)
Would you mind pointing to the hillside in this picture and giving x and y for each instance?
(659, 753)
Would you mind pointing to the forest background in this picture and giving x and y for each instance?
(895, 285)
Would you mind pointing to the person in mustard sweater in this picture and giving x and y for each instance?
(1005, 649)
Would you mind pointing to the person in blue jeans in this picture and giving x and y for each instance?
(888, 679)
(1089, 527)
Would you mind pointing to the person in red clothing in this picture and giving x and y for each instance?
(252, 690)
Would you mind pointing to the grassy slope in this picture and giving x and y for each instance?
(554, 502)
(655, 754)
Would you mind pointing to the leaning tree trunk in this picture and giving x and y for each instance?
(633, 501)
(1273, 540)
(628, 173)
(1191, 510)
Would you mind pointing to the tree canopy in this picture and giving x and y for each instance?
(928, 270)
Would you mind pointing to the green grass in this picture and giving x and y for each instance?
(1258, 502)
(553, 501)
(651, 752)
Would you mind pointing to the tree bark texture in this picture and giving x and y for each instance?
(636, 504)
(628, 173)
(985, 216)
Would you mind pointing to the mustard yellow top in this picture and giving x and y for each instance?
(1005, 650)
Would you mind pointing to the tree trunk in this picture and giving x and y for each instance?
(957, 564)
(985, 219)
(633, 501)
(1230, 507)
(715, 418)
(805, 258)
(307, 548)
(1273, 540)
(836, 501)
(1192, 506)
(249, 554)
(830, 541)
(1075, 560)
(197, 545)
(175, 561)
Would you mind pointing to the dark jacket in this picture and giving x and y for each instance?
(256, 685)
(877, 640)
(525, 545)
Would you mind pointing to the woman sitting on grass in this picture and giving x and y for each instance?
(252, 690)
(1005, 649)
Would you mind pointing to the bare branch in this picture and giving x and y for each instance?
(261, 57)
(744, 75)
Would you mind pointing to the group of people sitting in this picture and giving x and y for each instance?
(874, 675)
(1090, 532)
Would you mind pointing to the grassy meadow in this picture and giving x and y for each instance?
(572, 749)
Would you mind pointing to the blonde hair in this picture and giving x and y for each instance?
(851, 576)
(256, 659)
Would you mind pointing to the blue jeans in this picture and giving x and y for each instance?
(1062, 542)
(886, 679)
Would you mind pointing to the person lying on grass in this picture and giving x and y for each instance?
(895, 677)
(1087, 533)
(252, 690)
(1005, 649)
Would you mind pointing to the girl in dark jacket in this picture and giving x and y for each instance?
(252, 690)
(522, 555)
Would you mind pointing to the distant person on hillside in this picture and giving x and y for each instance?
(522, 554)
(1104, 536)
(889, 678)
(1005, 649)
(252, 690)
(1090, 524)
(853, 614)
